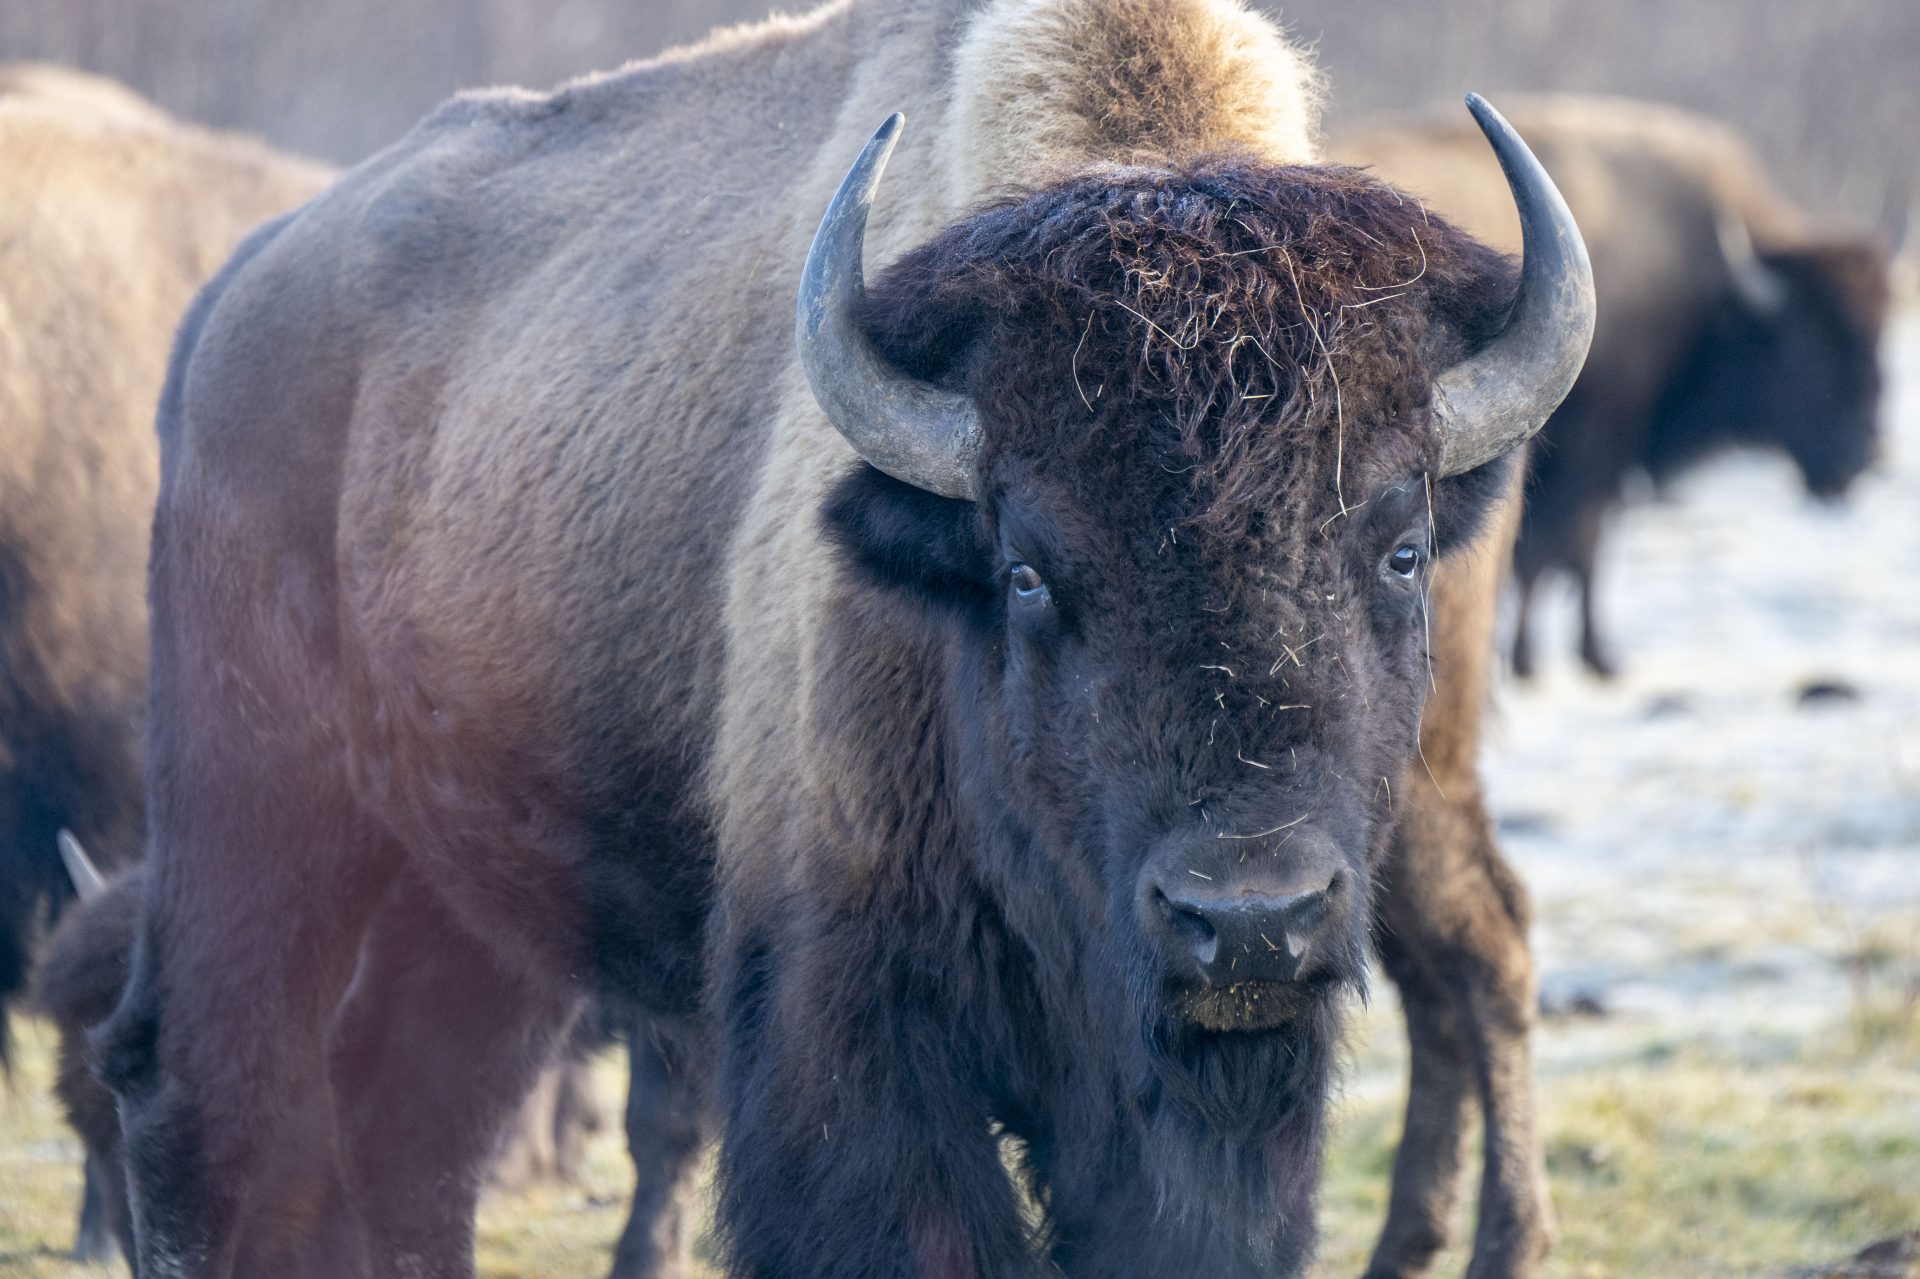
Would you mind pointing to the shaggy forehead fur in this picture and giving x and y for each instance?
(1257, 341)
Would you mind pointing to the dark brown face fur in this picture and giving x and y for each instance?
(1187, 634)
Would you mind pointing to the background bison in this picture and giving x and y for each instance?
(111, 215)
(76, 985)
(83, 971)
(1726, 316)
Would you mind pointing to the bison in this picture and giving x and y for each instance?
(76, 984)
(111, 215)
(988, 725)
(130, 211)
(1726, 316)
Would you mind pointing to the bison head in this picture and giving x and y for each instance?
(1789, 357)
(1170, 452)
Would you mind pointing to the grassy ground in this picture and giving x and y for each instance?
(1672, 1160)
(1666, 1160)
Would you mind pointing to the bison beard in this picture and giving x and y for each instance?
(1239, 1081)
(1217, 1086)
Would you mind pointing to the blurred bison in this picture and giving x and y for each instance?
(1724, 317)
(117, 214)
(995, 714)
(111, 215)
(76, 985)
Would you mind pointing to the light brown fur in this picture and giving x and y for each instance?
(1452, 934)
(113, 218)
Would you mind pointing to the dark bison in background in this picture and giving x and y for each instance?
(76, 984)
(82, 972)
(1000, 715)
(1725, 317)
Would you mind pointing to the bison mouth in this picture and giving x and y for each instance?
(1250, 1005)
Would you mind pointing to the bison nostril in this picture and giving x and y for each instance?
(1308, 909)
(1190, 927)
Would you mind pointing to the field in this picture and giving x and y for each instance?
(1724, 849)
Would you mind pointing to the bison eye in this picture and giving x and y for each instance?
(1028, 586)
(1405, 560)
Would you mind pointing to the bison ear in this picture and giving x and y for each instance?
(897, 535)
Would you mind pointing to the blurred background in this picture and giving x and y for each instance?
(1723, 842)
(1825, 90)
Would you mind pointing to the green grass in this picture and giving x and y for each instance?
(1671, 1161)
(1678, 1162)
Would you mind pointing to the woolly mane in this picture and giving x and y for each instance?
(1049, 84)
(1236, 323)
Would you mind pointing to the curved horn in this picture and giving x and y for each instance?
(87, 881)
(1502, 394)
(1754, 282)
(912, 430)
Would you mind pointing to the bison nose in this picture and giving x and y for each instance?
(1247, 936)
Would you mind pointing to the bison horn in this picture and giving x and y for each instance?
(911, 429)
(1754, 282)
(1501, 395)
(87, 881)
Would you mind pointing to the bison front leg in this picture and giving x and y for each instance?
(1594, 650)
(93, 1240)
(665, 1129)
(1522, 652)
(1427, 1166)
(1453, 925)
(856, 1144)
(437, 1043)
